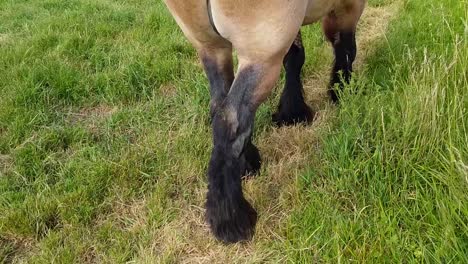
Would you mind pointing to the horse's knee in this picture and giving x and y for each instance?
(228, 133)
(238, 112)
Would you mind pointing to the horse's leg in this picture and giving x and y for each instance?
(340, 28)
(261, 48)
(230, 216)
(292, 107)
(345, 54)
(218, 66)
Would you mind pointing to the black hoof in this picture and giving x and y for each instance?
(250, 160)
(231, 221)
(295, 114)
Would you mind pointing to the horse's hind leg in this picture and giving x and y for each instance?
(340, 29)
(292, 107)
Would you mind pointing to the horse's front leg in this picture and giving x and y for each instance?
(218, 66)
(230, 216)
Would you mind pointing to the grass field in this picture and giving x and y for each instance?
(105, 140)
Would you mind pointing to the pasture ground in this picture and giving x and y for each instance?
(105, 139)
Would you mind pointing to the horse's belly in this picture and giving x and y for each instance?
(317, 9)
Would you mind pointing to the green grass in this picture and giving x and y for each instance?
(104, 140)
(392, 187)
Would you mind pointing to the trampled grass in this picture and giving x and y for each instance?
(105, 138)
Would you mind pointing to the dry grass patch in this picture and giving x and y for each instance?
(5, 163)
(4, 38)
(91, 115)
(372, 28)
(168, 90)
(15, 248)
(127, 215)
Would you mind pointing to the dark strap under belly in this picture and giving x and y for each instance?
(210, 16)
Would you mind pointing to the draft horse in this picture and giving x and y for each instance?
(265, 35)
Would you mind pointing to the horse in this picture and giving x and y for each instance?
(266, 36)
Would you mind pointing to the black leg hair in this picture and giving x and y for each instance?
(292, 107)
(220, 77)
(250, 160)
(230, 216)
(344, 45)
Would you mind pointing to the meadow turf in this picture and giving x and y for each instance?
(105, 140)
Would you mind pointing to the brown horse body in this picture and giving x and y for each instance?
(264, 34)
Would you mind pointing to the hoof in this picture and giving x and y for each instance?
(250, 160)
(230, 221)
(298, 114)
